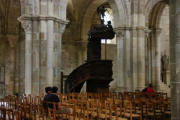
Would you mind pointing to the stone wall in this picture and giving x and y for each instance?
(11, 47)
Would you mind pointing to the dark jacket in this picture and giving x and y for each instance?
(50, 98)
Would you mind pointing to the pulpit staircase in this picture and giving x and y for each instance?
(95, 72)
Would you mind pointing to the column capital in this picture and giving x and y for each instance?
(62, 27)
(25, 23)
(147, 30)
(120, 31)
(41, 17)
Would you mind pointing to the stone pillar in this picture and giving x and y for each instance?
(156, 76)
(17, 68)
(27, 25)
(43, 25)
(148, 57)
(134, 58)
(50, 47)
(59, 29)
(50, 51)
(43, 54)
(50, 44)
(35, 58)
(120, 60)
(175, 58)
(138, 44)
(22, 64)
(141, 58)
(127, 60)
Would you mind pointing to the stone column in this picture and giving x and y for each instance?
(35, 58)
(138, 46)
(50, 47)
(43, 54)
(127, 60)
(59, 29)
(27, 25)
(50, 44)
(148, 57)
(175, 58)
(51, 31)
(156, 76)
(22, 64)
(141, 58)
(17, 68)
(134, 58)
(120, 59)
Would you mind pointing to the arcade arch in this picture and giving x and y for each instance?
(158, 46)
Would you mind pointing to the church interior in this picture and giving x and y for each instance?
(108, 59)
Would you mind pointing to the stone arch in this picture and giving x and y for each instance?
(63, 9)
(154, 12)
(119, 14)
(154, 16)
(151, 8)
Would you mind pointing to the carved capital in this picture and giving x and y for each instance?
(119, 32)
(62, 27)
(26, 24)
(147, 32)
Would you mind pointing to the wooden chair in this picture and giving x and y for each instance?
(129, 112)
(119, 110)
(17, 115)
(41, 112)
(2, 113)
(79, 109)
(104, 110)
(93, 108)
(54, 113)
(116, 110)
(10, 114)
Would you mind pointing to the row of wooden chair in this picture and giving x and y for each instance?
(88, 106)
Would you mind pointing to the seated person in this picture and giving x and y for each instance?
(150, 89)
(48, 91)
(53, 96)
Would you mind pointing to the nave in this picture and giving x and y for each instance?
(88, 106)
